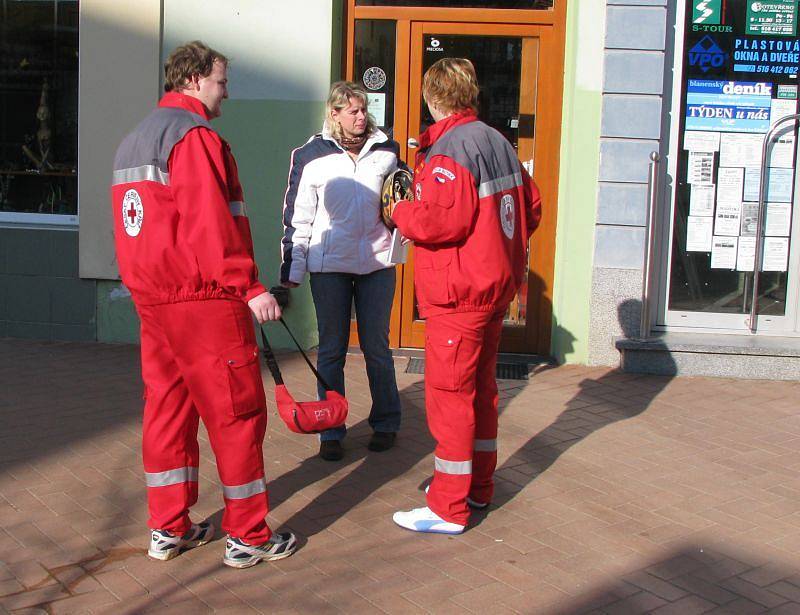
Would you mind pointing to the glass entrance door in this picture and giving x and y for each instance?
(519, 58)
(506, 60)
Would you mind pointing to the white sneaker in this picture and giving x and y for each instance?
(165, 545)
(239, 554)
(470, 502)
(425, 520)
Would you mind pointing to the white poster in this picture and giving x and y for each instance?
(723, 252)
(782, 152)
(701, 141)
(779, 187)
(701, 200)
(776, 254)
(698, 233)
(727, 219)
(745, 257)
(778, 219)
(701, 168)
(749, 214)
(740, 150)
(729, 185)
(780, 108)
(376, 105)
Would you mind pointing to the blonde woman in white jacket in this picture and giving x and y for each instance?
(333, 231)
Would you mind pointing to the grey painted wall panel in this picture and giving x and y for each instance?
(636, 27)
(619, 247)
(622, 204)
(634, 72)
(631, 116)
(624, 160)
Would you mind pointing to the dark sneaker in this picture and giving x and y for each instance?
(239, 554)
(165, 545)
(331, 450)
(381, 441)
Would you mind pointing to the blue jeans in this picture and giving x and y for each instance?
(373, 293)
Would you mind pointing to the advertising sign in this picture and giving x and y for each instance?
(740, 75)
(776, 17)
(728, 106)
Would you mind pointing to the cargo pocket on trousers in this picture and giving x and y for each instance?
(244, 380)
(441, 362)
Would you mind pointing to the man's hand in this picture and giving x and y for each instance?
(264, 307)
(289, 284)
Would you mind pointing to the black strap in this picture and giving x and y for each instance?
(272, 364)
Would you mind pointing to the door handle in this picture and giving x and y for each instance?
(413, 143)
(528, 166)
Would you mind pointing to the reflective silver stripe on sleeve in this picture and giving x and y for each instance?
(171, 477)
(452, 467)
(485, 446)
(241, 492)
(238, 208)
(498, 185)
(146, 173)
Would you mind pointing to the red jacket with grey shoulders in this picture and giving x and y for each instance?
(180, 223)
(475, 208)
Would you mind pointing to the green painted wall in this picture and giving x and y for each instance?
(116, 316)
(41, 296)
(262, 135)
(577, 198)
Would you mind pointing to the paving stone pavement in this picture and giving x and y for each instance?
(616, 493)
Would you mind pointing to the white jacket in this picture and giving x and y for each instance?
(331, 211)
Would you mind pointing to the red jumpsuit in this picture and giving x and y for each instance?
(185, 252)
(475, 208)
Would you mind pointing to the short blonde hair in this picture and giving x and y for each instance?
(188, 60)
(338, 99)
(451, 85)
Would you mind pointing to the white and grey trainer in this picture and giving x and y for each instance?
(425, 520)
(239, 554)
(165, 545)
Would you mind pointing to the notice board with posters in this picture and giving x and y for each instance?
(740, 74)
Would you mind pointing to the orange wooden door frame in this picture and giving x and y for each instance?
(543, 34)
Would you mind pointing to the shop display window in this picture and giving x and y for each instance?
(38, 110)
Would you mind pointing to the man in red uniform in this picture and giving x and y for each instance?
(185, 252)
(475, 208)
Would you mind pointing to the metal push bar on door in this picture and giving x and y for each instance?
(762, 190)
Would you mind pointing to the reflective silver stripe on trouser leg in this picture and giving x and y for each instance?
(485, 446)
(452, 467)
(241, 492)
(171, 477)
(144, 173)
(238, 208)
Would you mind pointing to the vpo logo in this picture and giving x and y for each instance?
(706, 54)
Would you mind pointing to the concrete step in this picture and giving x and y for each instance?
(713, 354)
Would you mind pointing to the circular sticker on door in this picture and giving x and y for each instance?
(132, 213)
(374, 78)
(507, 215)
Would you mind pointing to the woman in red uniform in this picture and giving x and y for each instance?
(474, 209)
